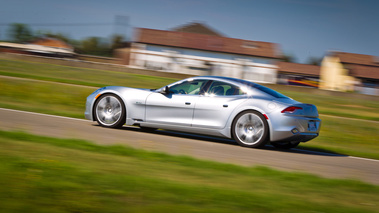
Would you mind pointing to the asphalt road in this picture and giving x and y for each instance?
(202, 147)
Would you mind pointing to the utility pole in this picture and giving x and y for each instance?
(121, 24)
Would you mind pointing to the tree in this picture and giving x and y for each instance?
(20, 33)
(286, 57)
(49, 34)
(314, 61)
(100, 47)
(94, 46)
(118, 41)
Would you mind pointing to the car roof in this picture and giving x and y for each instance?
(229, 79)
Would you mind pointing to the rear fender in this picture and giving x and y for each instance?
(243, 107)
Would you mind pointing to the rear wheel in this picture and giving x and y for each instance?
(250, 129)
(110, 111)
(285, 145)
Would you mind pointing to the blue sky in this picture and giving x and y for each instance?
(303, 28)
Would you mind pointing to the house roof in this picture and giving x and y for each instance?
(353, 58)
(363, 66)
(206, 42)
(52, 42)
(195, 27)
(364, 71)
(35, 48)
(303, 69)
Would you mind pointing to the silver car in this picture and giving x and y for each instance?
(251, 114)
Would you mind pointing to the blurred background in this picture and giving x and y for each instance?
(330, 45)
(53, 54)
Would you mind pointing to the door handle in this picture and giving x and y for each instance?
(225, 105)
(188, 103)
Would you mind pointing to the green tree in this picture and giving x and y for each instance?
(20, 33)
(286, 57)
(315, 61)
(118, 41)
(49, 34)
(94, 46)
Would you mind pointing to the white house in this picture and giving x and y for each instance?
(204, 52)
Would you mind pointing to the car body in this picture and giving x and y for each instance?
(250, 113)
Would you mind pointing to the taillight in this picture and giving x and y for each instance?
(291, 109)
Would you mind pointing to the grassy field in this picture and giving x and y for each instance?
(343, 136)
(348, 137)
(79, 76)
(60, 175)
(339, 106)
(44, 97)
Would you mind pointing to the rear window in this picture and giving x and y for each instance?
(269, 91)
(262, 88)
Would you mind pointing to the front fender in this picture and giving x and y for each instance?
(134, 101)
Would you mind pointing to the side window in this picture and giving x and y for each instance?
(223, 89)
(188, 87)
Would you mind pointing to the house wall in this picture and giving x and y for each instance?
(334, 76)
(198, 62)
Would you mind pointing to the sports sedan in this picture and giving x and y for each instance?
(251, 114)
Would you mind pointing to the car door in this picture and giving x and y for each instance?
(177, 106)
(213, 109)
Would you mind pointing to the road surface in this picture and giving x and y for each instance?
(202, 147)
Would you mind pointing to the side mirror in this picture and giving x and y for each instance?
(165, 91)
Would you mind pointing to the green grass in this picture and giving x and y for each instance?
(346, 136)
(43, 97)
(339, 106)
(80, 76)
(45, 174)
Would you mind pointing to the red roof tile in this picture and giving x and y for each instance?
(206, 42)
(353, 58)
(364, 71)
(303, 69)
(52, 42)
(363, 66)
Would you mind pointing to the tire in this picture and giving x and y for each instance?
(110, 111)
(285, 145)
(250, 129)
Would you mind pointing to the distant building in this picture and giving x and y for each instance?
(42, 46)
(298, 74)
(343, 71)
(198, 50)
(53, 42)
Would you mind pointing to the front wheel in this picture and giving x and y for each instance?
(110, 111)
(250, 129)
